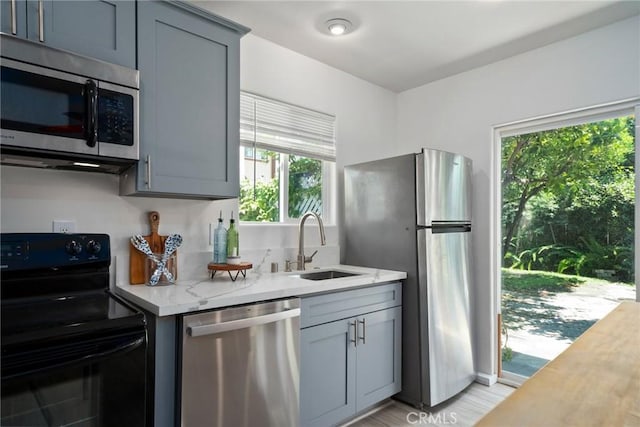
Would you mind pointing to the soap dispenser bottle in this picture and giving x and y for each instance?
(232, 239)
(220, 243)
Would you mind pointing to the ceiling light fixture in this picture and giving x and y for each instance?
(339, 26)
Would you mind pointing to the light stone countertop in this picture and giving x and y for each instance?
(195, 295)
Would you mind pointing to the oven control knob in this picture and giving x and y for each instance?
(93, 247)
(73, 247)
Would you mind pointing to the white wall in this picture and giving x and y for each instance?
(32, 198)
(458, 113)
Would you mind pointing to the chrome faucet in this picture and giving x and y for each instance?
(302, 259)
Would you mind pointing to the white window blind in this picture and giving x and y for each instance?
(274, 125)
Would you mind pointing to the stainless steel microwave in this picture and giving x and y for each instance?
(66, 110)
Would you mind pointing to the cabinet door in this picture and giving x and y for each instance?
(327, 381)
(379, 356)
(13, 15)
(189, 103)
(101, 29)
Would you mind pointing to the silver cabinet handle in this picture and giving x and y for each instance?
(216, 328)
(41, 20)
(148, 179)
(364, 330)
(14, 18)
(354, 340)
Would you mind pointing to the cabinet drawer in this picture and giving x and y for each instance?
(341, 305)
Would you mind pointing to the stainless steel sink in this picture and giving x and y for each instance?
(326, 275)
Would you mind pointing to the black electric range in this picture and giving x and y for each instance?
(72, 352)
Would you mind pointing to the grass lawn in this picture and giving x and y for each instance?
(534, 282)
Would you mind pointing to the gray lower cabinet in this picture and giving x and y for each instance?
(327, 376)
(351, 363)
(101, 29)
(189, 64)
(378, 356)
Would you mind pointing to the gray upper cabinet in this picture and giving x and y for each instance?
(189, 64)
(349, 363)
(101, 29)
(13, 15)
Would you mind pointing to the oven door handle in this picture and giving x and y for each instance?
(91, 117)
(26, 363)
(121, 348)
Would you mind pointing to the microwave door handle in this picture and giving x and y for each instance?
(91, 117)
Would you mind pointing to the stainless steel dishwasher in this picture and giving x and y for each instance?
(241, 366)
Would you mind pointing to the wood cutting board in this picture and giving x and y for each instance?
(137, 259)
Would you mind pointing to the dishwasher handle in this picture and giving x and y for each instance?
(216, 328)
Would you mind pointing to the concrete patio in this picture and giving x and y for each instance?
(540, 327)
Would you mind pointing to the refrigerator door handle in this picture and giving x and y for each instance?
(458, 227)
(421, 216)
(451, 228)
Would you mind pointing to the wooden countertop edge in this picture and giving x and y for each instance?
(595, 382)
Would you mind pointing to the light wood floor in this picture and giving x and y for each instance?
(464, 410)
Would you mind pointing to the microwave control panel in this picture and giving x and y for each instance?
(115, 117)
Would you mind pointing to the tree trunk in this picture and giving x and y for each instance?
(553, 234)
(511, 229)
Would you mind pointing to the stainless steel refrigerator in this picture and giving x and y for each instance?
(413, 213)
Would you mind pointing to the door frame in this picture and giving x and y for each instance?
(551, 121)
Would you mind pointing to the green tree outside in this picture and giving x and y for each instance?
(568, 199)
(305, 186)
(261, 202)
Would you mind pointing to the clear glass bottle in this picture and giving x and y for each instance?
(232, 238)
(220, 243)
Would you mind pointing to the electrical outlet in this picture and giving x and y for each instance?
(64, 226)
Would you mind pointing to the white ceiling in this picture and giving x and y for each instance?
(400, 45)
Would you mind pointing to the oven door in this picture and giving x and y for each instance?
(98, 382)
(47, 109)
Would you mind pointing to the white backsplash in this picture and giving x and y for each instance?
(33, 198)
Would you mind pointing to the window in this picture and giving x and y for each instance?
(288, 160)
(261, 155)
